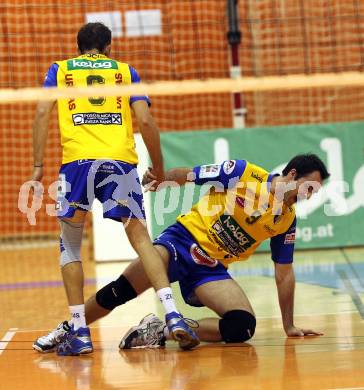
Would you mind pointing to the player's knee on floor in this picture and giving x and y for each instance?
(115, 293)
(237, 326)
(70, 241)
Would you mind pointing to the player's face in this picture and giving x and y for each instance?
(305, 187)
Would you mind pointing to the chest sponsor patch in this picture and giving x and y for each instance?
(96, 118)
(209, 171)
(233, 236)
(201, 258)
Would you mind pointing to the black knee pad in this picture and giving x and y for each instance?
(237, 326)
(115, 293)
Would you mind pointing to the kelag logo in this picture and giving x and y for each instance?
(87, 64)
(235, 240)
(238, 234)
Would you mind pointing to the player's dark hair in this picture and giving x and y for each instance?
(305, 164)
(93, 36)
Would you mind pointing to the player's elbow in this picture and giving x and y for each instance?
(44, 109)
(145, 122)
(41, 113)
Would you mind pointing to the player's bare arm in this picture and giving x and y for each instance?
(40, 132)
(285, 281)
(150, 134)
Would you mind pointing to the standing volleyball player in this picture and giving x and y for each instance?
(99, 160)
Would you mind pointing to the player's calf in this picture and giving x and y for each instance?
(237, 326)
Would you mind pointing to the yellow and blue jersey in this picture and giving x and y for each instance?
(97, 127)
(238, 213)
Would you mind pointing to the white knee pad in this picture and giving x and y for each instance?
(70, 241)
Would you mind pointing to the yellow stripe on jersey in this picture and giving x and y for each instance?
(98, 127)
(230, 224)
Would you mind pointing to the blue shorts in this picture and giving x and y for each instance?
(114, 183)
(188, 263)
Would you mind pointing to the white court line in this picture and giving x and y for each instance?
(5, 340)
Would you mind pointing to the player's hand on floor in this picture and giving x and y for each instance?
(298, 332)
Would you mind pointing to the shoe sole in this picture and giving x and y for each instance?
(39, 349)
(83, 351)
(184, 339)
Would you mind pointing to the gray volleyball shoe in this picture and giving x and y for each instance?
(148, 334)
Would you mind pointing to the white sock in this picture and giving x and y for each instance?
(166, 297)
(78, 318)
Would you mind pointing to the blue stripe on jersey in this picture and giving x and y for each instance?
(282, 246)
(51, 81)
(135, 78)
(225, 175)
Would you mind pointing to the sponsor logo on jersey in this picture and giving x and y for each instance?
(223, 239)
(209, 171)
(257, 177)
(241, 236)
(229, 166)
(201, 258)
(290, 238)
(76, 64)
(96, 118)
(270, 230)
(233, 236)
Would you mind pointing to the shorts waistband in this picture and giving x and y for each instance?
(186, 231)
